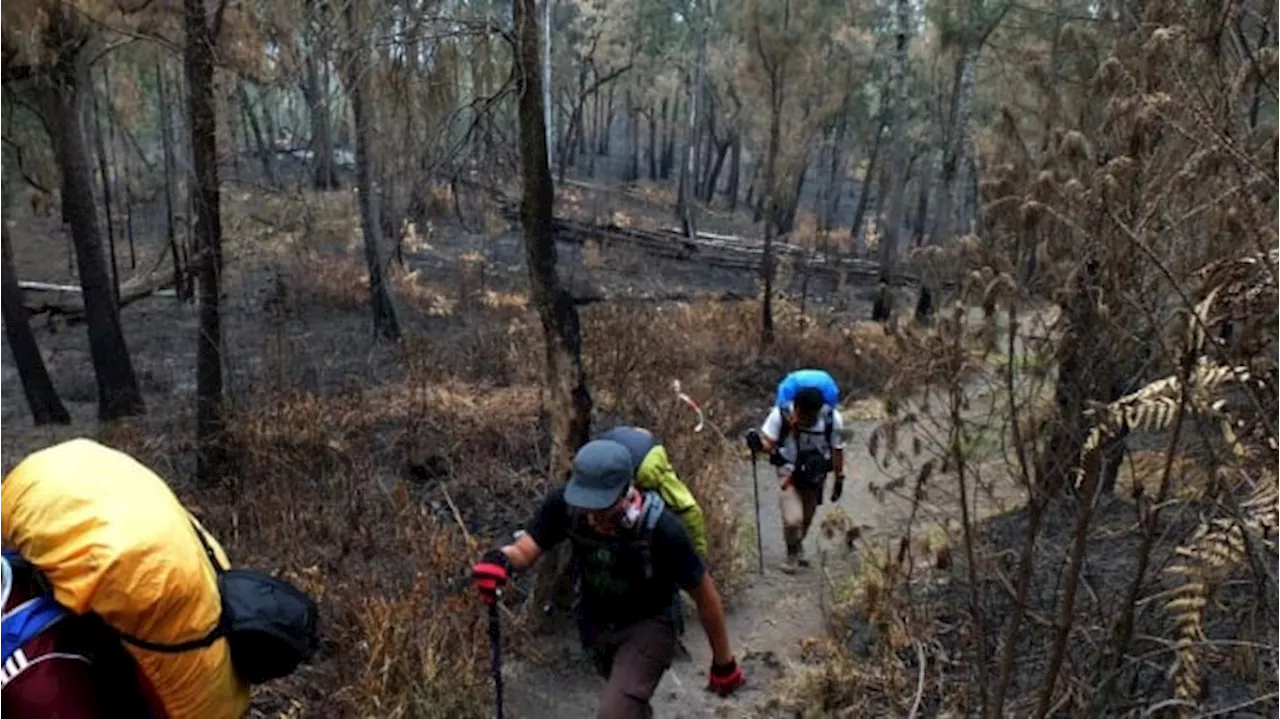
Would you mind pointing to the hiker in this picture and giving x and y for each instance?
(630, 553)
(803, 436)
(653, 471)
(58, 664)
(115, 542)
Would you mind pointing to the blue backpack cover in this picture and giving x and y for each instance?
(803, 378)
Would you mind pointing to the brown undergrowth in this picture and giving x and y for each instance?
(374, 478)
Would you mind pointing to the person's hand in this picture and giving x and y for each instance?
(754, 443)
(724, 679)
(491, 574)
(785, 484)
(838, 488)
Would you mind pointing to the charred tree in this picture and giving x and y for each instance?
(211, 456)
(386, 324)
(888, 250)
(570, 401)
(60, 89)
(42, 398)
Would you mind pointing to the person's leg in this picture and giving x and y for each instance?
(808, 499)
(645, 652)
(599, 646)
(792, 509)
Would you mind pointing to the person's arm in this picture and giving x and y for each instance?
(523, 553)
(837, 444)
(675, 548)
(711, 613)
(771, 430)
(548, 528)
(690, 574)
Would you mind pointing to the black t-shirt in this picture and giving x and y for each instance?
(611, 570)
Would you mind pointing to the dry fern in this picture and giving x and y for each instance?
(1218, 548)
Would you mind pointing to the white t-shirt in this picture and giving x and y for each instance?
(813, 437)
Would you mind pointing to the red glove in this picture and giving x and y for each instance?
(491, 574)
(724, 679)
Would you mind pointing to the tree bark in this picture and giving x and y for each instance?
(888, 254)
(735, 171)
(835, 181)
(118, 393)
(548, 108)
(653, 145)
(569, 402)
(104, 169)
(633, 170)
(42, 398)
(316, 93)
(769, 189)
(266, 153)
(181, 289)
(856, 236)
(566, 376)
(211, 456)
(386, 324)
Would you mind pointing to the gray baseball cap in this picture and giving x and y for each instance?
(602, 471)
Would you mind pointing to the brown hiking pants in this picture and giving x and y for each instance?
(798, 507)
(632, 661)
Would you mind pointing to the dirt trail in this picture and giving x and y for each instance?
(767, 621)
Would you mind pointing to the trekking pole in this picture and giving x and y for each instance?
(495, 652)
(755, 483)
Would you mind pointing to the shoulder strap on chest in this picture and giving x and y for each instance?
(653, 508)
(27, 620)
(828, 426)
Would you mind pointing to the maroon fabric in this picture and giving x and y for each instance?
(75, 669)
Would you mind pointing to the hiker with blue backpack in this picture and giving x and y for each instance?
(803, 436)
(630, 556)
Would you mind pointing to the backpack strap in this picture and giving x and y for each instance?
(219, 630)
(27, 620)
(653, 507)
(828, 429)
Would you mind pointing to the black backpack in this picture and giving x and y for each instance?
(269, 624)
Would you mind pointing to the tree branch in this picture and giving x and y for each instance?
(215, 31)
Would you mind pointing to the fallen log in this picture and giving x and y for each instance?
(67, 301)
(686, 297)
(722, 251)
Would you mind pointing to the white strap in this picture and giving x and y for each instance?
(6, 580)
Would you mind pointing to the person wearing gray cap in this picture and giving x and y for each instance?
(631, 555)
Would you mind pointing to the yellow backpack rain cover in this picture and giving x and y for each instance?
(114, 540)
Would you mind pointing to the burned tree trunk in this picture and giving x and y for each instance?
(118, 393)
(888, 249)
(570, 402)
(104, 169)
(566, 376)
(385, 322)
(316, 93)
(211, 456)
(181, 281)
(42, 398)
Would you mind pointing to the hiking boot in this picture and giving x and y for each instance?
(801, 560)
(791, 564)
